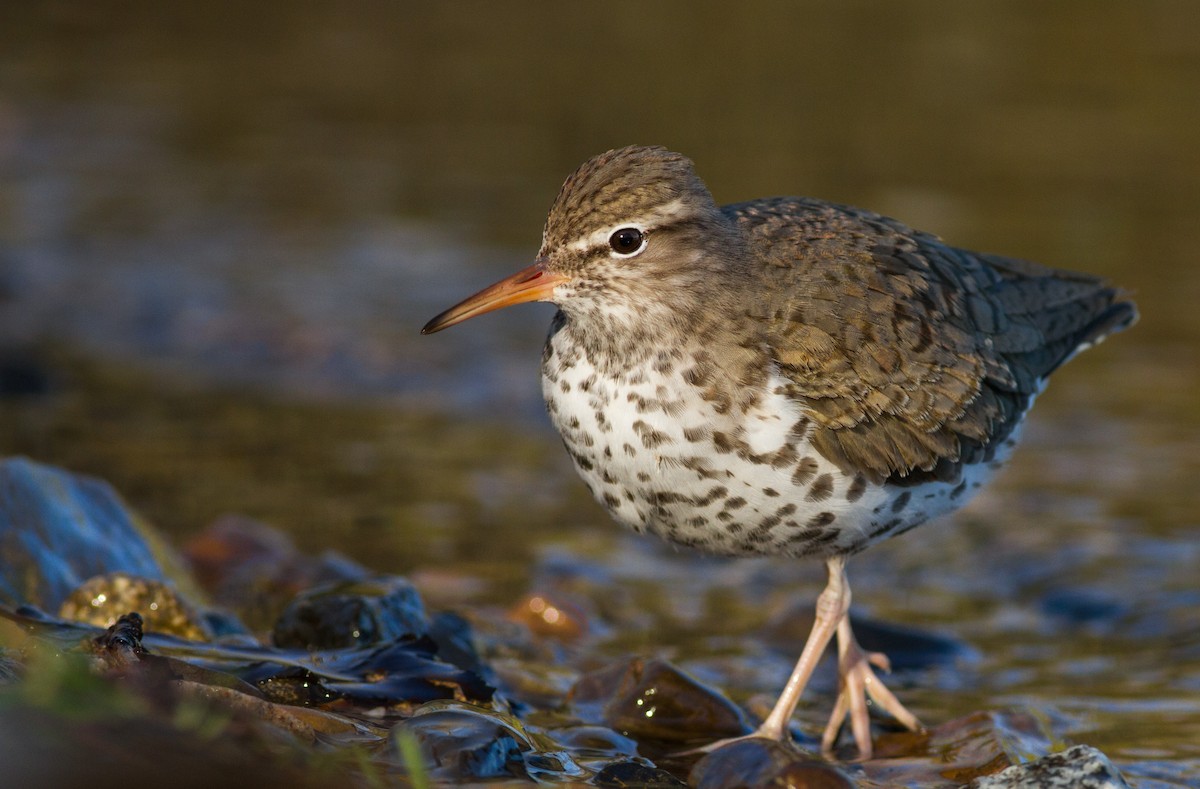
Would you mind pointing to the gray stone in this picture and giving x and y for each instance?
(1080, 767)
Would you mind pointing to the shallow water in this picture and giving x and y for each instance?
(222, 228)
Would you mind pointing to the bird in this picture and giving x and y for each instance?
(785, 376)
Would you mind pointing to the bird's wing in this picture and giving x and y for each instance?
(912, 357)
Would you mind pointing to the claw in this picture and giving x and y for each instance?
(858, 683)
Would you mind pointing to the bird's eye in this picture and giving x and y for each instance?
(627, 241)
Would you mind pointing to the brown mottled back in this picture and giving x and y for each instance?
(913, 356)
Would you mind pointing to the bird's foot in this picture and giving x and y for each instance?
(859, 683)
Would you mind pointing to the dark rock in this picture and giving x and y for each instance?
(461, 743)
(651, 699)
(256, 569)
(761, 762)
(353, 613)
(635, 775)
(405, 670)
(959, 750)
(121, 644)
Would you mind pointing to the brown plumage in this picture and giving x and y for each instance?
(785, 376)
(914, 357)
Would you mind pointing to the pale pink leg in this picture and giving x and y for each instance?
(831, 610)
(832, 605)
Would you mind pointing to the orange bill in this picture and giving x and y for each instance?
(533, 283)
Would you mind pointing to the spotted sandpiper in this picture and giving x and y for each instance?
(785, 376)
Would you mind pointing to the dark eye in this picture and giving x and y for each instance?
(627, 241)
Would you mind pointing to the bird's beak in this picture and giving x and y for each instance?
(534, 283)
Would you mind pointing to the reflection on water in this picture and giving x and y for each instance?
(278, 197)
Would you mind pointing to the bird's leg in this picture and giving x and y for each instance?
(831, 610)
(857, 682)
(832, 605)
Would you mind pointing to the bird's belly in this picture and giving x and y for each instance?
(663, 459)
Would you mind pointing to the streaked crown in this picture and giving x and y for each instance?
(644, 187)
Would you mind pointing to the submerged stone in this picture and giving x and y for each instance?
(341, 615)
(636, 775)
(256, 569)
(958, 751)
(651, 699)
(461, 743)
(761, 762)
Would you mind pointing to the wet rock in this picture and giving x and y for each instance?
(102, 600)
(455, 640)
(58, 529)
(594, 742)
(120, 646)
(463, 743)
(651, 699)
(760, 762)
(256, 570)
(1081, 767)
(335, 616)
(403, 672)
(960, 750)
(635, 775)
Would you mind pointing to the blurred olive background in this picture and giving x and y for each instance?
(223, 224)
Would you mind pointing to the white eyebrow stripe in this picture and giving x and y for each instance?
(644, 222)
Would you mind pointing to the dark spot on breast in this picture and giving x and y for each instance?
(642, 476)
(695, 433)
(785, 510)
(799, 430)
(722, 442)
(786, 456)
(735, 503)
(901, 501)
(651, 438)
(629, 450)
(698, 374)
(821, 519)
(770, 492)
(564, 386)
(611, 501)
(858, 486)
(806, 469)
(821, 489)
